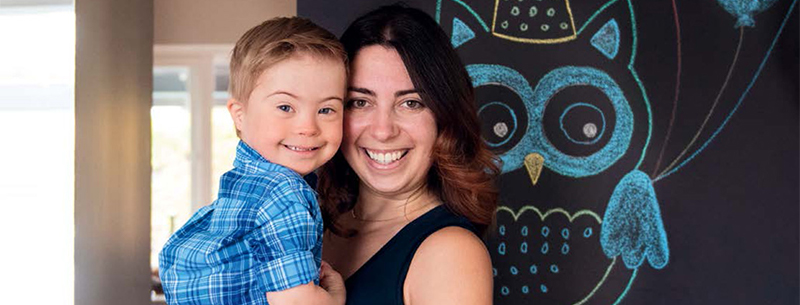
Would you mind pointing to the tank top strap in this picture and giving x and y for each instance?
(380, 280)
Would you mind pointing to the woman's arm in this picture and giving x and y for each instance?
(452, 266)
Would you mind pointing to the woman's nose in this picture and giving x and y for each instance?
(383, 126)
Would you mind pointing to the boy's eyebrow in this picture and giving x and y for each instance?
(331, 98)
(295, 97)
(283, 92)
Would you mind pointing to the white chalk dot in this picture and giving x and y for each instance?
(501, 129)
(590, 130)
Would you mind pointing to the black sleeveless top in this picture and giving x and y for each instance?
(380, 279)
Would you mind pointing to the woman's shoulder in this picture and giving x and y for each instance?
(453, 235)
(452, 244)
(451, 264)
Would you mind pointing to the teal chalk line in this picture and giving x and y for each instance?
(630, 283)
(603, 8)
(641, 87)
(741, 99)
(466, 6)
(633, 71)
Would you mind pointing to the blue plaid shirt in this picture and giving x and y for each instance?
(262, 234)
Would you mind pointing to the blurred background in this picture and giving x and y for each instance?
(110, 149)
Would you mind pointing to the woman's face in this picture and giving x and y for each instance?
(389, 132)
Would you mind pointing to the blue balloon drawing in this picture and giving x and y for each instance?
(744, 10)
(632, 226)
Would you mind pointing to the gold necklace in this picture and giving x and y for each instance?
(405, 214)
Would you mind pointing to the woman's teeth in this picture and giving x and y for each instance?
(385, 158)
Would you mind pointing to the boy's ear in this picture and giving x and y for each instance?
(236, 109)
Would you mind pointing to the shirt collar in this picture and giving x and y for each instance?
(252, 162)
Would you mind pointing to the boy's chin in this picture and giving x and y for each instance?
(302, 169)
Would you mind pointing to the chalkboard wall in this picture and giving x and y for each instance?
(650, 148)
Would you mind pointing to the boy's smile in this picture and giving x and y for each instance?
(294, 114)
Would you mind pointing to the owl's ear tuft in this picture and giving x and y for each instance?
(610, 32)
(606, 40)
(462, 21)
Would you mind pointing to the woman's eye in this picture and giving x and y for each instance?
(413, 104)
(357, 104)
(326, 111)
(285, 108)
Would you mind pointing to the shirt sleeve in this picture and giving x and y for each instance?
(283, 246)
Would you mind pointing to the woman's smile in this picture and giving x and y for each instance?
(386, 158)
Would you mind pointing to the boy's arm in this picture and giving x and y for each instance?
(330, 292)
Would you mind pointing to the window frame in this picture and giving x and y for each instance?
(201, 61)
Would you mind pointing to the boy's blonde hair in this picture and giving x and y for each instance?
(273, 41)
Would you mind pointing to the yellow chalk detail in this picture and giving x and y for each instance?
(534, 163)
(573, 35)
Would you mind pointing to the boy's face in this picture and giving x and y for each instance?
(294, 114)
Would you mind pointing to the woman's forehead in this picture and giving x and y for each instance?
(378, 66)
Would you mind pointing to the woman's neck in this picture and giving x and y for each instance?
(373, 206)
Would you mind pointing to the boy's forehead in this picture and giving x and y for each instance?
(304, 76)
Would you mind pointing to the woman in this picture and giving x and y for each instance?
(413, 182)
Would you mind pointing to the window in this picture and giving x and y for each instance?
(37, 68)
(194, 140)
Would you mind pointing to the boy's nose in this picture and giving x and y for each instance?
(307, 126)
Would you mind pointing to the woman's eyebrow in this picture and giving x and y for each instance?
(361, 90)
(404, 92)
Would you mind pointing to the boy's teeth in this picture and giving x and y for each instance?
(385, 158)
(299, 149)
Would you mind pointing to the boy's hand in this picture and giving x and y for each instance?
(332, 281)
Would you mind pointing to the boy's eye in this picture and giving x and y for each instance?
(356, 104)
(285, 108)
(326, 111)
(413, 104)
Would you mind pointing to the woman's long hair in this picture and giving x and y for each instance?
(463, 170)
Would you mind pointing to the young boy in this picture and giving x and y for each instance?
(262, 238)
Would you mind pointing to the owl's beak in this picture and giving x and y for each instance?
(534, 163)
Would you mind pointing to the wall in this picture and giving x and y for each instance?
(212, 21)
(650, 148)
(113, 85)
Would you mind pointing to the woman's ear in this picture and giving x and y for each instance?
(237, 111)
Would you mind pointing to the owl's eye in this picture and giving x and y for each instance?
(576, 118)
(586, 121)
(583, 123)
(503, 116)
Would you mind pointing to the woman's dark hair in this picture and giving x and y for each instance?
(463, 170)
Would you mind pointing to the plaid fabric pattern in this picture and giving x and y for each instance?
(262, 234)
